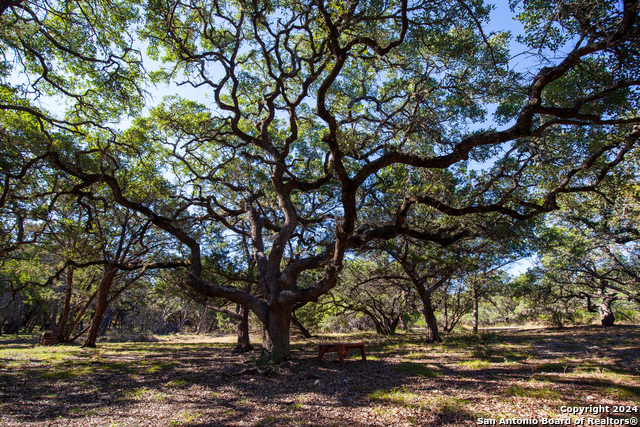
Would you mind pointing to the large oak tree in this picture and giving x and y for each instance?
(331, 124)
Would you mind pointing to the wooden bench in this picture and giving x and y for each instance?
(48, 338)
(342, 349)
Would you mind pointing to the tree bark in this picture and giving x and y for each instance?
(276, 331)
(603, 308)
(103, 301)
(606, 312)
(242, 321)
(431, 322)
(14, 326)
(394, 324)
(160, 325)
(379, 328)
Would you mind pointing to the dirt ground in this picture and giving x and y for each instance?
(521, 374)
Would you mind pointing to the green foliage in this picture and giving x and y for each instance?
(475, 364)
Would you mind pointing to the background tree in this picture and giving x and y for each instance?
(427, 268)
(372, 286)
(591, 253)
(129, 251)
(447, 278)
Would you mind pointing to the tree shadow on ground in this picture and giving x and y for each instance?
(403, 380)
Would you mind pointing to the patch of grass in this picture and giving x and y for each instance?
(7, 378)
(157, 367)
(19, 356)
(415, 355)
(623, 392)
(395, 348)
(188, 417)
(416, 369)
(461, 339)
(58, 374)
(93, 412)
(474, 364)
(534, 393)
(440, 348)
(136, 394)
(178, 383)
(184, 419)
(452, 405)
(159, 397)
(399, 396)
(596, 369)
(407, 359)
(375, 411)
(125, 368)
(93, 354)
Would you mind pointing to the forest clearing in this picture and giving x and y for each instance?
(416, 175)
(188, 380)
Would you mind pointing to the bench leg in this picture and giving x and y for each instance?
(323, 349)
(362, 353)
(340, 351)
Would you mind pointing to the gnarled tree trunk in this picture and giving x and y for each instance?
(606, 312)
(275, 340)
(603, 308)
